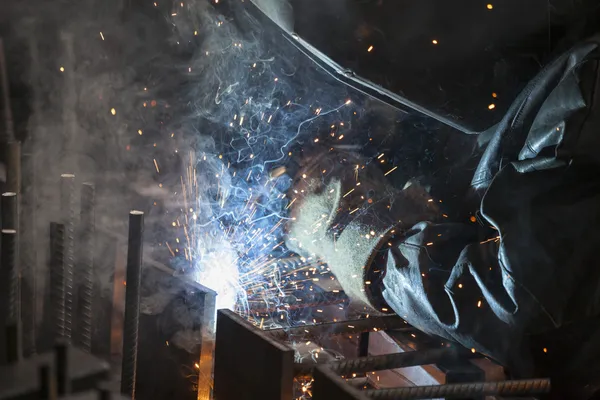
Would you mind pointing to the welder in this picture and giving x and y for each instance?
(518, 280)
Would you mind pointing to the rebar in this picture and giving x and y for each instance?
(132, 303)
(67, 194)
(464, 390)
(13, 167)
(57, 279)
(388, 361)
(9, 129)
(13, 342)
(61, 355)
(85, 269)
(11, 273)
(9, 210)
(47, 383)
(28, 254)
(335, 328)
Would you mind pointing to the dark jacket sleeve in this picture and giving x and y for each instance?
(531, 265)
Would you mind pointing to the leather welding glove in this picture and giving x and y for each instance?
(343, 227)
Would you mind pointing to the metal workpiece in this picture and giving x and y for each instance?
(57, 280)
(344, 327)
(28, 250)
(13, 167)
(61, 364)
(9, 204)
(132, 303)
(207, 347)
(176, 339)
(10, 303)
(464, 390)
(36, 377)
(328, 385)
(67, 206)
(47, 390)
(84, 274)
(387, 361)
(10, 275)
(270, 377)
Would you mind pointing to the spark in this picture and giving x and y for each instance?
(156, 165)
(491, 106)
(113, 111)
(391, 170)
(434, 41)
(370, 49)
(102, 35)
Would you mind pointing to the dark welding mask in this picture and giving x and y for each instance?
(460, 62)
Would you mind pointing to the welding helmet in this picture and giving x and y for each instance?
(460, 62)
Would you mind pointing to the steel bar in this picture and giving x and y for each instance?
(57, 279)
(67, 203)
(336, 328)
(464, 390)
(132, 303)
(85, 269)
(9, 204)
(13, 167)
(13, 343)
(28, 248)
(63, 384)
(388, 361)
(47, 383)
(205, 365)
(4, 84)
(10, 277)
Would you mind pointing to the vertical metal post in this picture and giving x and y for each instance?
(132, 303)
(67, 203)
(28, 255)
(57, 279)
(10, 131)
(13, 167)
(85, 269)
(61, 355)
(10, 272)
(47, 383)
(9, 210)
(205, 365)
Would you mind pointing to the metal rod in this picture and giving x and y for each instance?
(10, 131)
(61, 354)
(8, 258)
(464, 390)
(13, 176)
(335, 328)
(67, 194)
(85, 270)
(132, 303)
(388, 361)
(13, 343)
(47, 383)
(9, 210)
(28, 248)
(57, 279)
